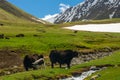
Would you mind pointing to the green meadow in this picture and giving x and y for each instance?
(42, 38)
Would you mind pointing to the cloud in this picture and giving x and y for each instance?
(63, 7)
(50, 18)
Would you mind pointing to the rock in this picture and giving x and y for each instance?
(94, 68)
(76, 74)
(87, 56)
(95, 77)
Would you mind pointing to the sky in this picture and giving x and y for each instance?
(44, 8)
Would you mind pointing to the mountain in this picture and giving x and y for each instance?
(9, 12)
(91, 10)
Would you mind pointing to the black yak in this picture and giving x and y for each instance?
(62, 57)
(20, 35)
(1, 36)
(1, 24)
(30, 61)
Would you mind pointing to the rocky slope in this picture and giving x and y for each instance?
(89, 10)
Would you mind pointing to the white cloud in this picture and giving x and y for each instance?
(49, 18)
(63, 7)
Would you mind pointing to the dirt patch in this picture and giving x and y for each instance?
(9, 59)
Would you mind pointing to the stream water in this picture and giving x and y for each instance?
(85, 74)
(82, 76)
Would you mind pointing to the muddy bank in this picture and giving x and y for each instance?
(9, 58)
(10, 61)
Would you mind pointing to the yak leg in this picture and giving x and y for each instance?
(26, 68)
(68, 65)
(52, 65)
(60, 65)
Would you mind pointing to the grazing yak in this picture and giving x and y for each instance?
(62, 57)
(20, 35)
(31, 61)
(1, 24)
(2, 36)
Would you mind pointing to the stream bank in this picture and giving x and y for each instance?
(86, 56)
(85, 72)
(83, 75)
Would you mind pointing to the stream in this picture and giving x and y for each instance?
(83, 75)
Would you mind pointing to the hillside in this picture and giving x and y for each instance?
(90, 10)
(10, 13)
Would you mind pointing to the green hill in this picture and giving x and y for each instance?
(10, 13)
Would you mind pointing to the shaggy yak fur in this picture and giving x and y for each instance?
(30, 61)
(62, 57)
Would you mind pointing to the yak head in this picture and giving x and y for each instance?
(75, 54)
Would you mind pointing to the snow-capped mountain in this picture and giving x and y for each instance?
(89, 10)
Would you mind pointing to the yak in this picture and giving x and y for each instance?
(1, 36)
(30, 61)
(20, 35)
(62, 57)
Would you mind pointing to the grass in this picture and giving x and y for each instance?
(43, 38)
(41, 74)
(111, 73)
(49, 37)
